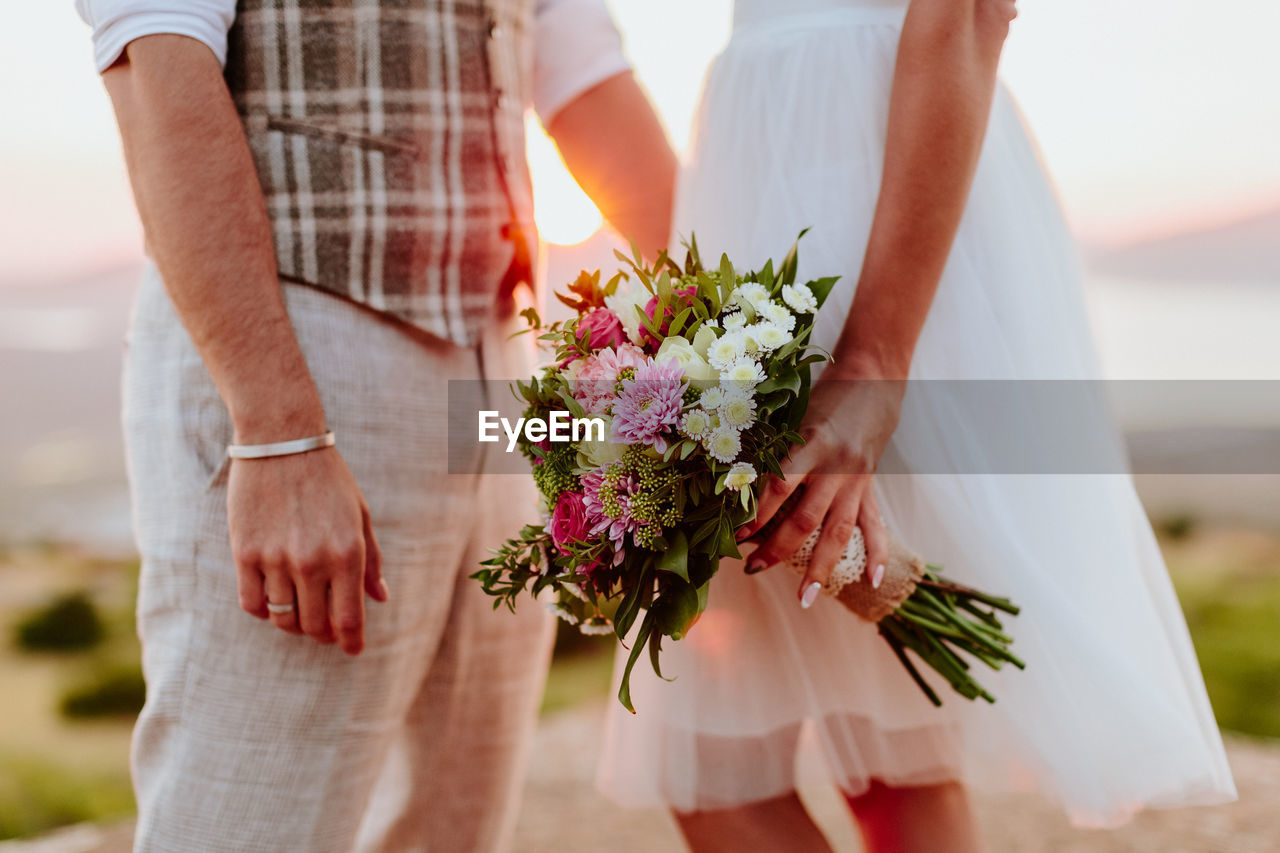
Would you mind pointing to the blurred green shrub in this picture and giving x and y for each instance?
(37, 795)
(116, 691)
(1236, 631)
(1177, 527)
(68, 623)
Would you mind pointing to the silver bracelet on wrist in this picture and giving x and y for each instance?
(280, 448)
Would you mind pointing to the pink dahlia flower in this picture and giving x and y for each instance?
(618, 527)
(593, 380)
(649, 405)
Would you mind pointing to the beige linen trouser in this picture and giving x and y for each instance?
(257, 740)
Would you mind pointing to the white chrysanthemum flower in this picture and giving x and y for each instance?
(740, 476)
(743, 371)
(733, 322)
(738, 413)
(800, 298)
(712, 398)
(724, 444)
(563, 612)
(742, 390)
(770, 336)
(727, 349)
(751, 293)
(779, 315)
(596, 625)
(696, 424)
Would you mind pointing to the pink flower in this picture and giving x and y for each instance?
(652, 309)
(593, 380)
(569, 522)
(615, 528)
(605, 328)
(649, 405)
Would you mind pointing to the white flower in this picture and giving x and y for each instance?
(696, 424)
(596, 625)
(712, 398)
(596, 453)
(727, 349)
(724, 444)
(770, 336)
(751, 293)
(624, 301)
(738, 413)
(740, 475)
(736, 391)
(800, 298)
(682, 352)
(703, 339)
(743, 371)
(777, 313)
(734, 321)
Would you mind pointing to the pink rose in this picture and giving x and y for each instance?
(569, 524)
(652, 309)
(605, 328)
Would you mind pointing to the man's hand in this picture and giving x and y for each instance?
(301, 535)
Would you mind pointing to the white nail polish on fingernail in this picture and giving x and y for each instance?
(877, 575)
(810, 595)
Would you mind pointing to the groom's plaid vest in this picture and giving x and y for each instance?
(389, 140)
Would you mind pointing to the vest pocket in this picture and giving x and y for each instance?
(343, 136)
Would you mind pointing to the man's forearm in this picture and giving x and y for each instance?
(207, 230)
(615, 147)
(943, 89)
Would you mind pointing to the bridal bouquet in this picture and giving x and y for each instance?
(685, 387)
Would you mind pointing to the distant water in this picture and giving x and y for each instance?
(62, 465)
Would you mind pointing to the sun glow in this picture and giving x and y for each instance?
(562, 211)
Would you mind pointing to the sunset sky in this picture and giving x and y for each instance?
(1151, 116)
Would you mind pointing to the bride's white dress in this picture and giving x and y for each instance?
(1111, 714)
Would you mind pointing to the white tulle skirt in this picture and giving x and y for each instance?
(1111, 714)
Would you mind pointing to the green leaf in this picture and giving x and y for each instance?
(678, 323)
(531, 317)
(631, 602)
(784, 378)
(787, 272)
(676, 609)
(728, 278)
(676, 558)
(728, 545)
(642, 637)
(821, 288)
(686, 447)
(765, 276)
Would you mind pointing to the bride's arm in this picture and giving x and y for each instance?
(943, 88)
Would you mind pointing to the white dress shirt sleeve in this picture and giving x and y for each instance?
(576, 46)
(115, 23)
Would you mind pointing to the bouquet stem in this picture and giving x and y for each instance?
(941, 621)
